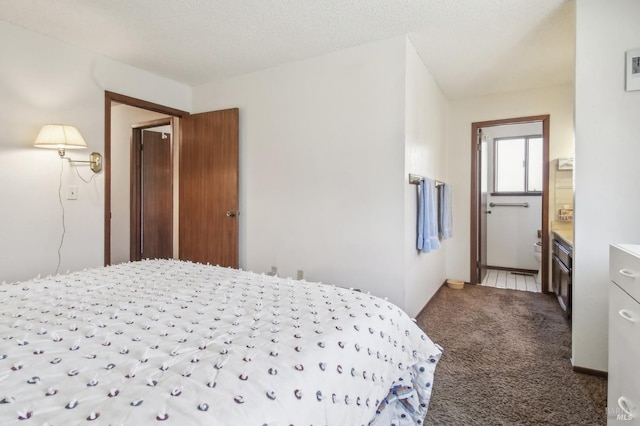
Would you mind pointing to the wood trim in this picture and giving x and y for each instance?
(135, 206)
(545, 119)
(152, 123)
(506, 268)
(106, 166)
(544, 264)
(473, 203)
(517, 120)
(175, 140)
(139, 103)
(109, 98)
(591, 372)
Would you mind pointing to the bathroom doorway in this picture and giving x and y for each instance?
(512, 199)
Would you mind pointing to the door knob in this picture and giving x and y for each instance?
(232, 214)
(487, 211)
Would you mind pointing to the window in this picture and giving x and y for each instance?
(517, 165)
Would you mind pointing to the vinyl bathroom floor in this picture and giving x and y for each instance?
(510, 280)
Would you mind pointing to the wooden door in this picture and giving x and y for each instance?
(479, 210)
(208, 218)
(151, 231)
(157, 196)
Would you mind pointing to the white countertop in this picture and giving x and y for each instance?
(632, 248)
(566, 235)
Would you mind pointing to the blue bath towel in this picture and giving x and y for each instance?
(446, 214)
(421, 207)
(427, 216)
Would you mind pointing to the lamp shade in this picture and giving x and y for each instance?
(59, 136)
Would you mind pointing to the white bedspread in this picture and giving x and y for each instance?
(172, 342)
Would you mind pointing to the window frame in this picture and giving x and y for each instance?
(526, 167)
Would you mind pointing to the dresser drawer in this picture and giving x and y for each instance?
(623, 403)
(624, 268)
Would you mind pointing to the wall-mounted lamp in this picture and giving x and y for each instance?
(63, 137)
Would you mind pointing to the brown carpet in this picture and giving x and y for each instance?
(506, 361)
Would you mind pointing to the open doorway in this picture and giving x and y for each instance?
(120, 181)
(205, 165)
(480, 208)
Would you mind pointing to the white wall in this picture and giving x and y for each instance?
(556, 101)
(322, 166)
(606, 164)
(323, 175)
(512, 231)
(425, 154)
(45, 81)
(122, 117)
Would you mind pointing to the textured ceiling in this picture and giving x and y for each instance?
(471, 47)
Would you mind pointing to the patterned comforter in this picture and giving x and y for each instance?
(171, 342)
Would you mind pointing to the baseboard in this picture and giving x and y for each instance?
(434, 295)
(591, 372)
(444, 283)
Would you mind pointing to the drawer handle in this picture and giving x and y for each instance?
(627, 315)
(624, 404)
(628, 273)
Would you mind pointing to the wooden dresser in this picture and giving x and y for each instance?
(623, 401)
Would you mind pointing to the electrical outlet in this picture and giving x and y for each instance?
(300, 275)
(274, 271)
(72, 192)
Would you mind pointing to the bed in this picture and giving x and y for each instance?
(172, 342)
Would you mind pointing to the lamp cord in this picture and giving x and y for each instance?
(64, 229)
(83, 179)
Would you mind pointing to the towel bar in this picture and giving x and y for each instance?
(508, 204)
(415, 180)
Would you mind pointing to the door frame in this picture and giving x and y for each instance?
(110, 97)
(475, 192)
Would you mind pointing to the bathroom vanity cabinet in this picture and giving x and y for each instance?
(561, 272)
